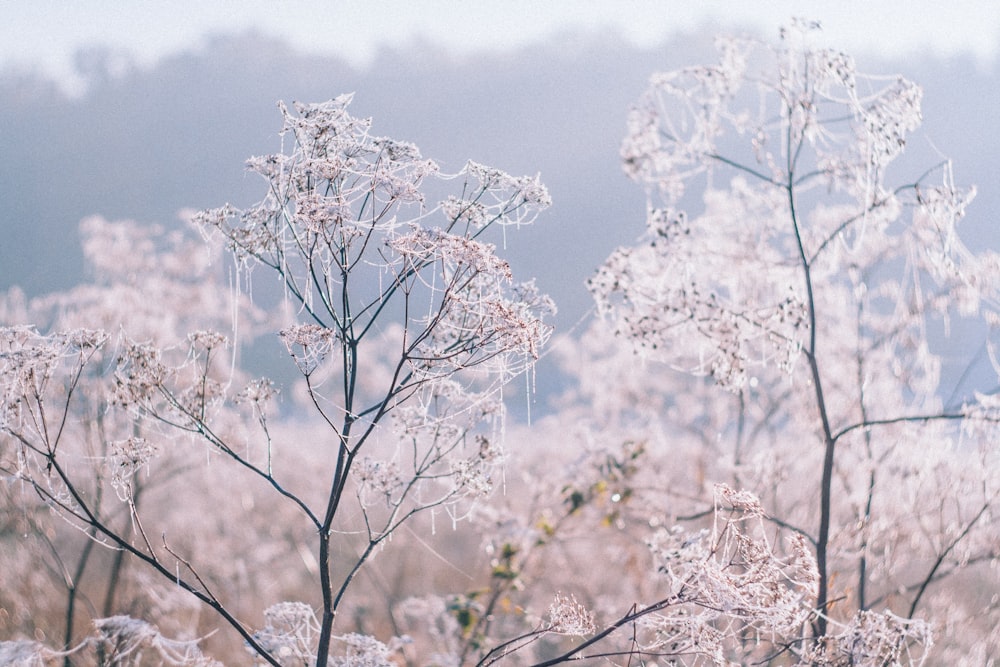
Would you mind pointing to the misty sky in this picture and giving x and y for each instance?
(44, 35)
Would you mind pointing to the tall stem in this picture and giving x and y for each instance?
(326, 620)
(829, 442)
(349, 355)
(326, 583)
(866, 517)
(74, 591)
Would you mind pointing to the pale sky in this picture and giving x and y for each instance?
(42, 35)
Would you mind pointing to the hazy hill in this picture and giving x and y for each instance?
(145, 143)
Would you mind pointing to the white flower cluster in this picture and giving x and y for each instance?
(309, 345)
(289, 633)
(124, 639)
(126, 458)
(363, 651)
(517, 199)
(730, 576)
(259, 391)
(873, 638)
(711, 294)
(474, 476)
(141, 376)
(381, 478)
(207, 340)
(459, 255)
(479, 316)
(28, 363)
(569, 617)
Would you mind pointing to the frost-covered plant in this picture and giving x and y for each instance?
(122, 641)
(805, 283)
(404, 326)
(117, 641)
(718, 595)
(806, 513)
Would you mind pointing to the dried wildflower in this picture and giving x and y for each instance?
(569, 617)
(259, 391)
(514, 200)
(141, 376)
(124, 639)
(126, 458)
(468, 215)
(873, 638)
(207, 340)
(383, 478)
(363, 651)
(458, 254)
(729, 573)
(309, 344)
(86, 339)
(472, 477)
(27, 653)
(289, 632)
(741, 500)
(887, 120)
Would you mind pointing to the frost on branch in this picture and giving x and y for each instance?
(458, 465)
(728, 580)
(789, 257)
(569, 617)
(472, 322)
(127, 458)
(290, 632)
(123, 640)
(404, 325)
(874, 638)
(346, 227)
(187, 384)
(803, 190)
(308, 344)
(678, 296)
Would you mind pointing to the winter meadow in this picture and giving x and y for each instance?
(338, 425)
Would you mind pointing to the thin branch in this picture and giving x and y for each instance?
(944, 554)
(870, 423)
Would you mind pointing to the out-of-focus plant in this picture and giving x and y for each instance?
(156, 286)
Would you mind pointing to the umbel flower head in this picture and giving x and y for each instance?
(346, 226)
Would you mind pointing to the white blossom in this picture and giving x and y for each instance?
(569, 617)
